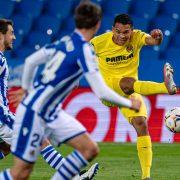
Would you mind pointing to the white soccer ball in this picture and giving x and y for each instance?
(172, 120)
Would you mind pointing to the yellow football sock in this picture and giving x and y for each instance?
(144, 148)
(149, 88)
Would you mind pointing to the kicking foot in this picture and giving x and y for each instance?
(168, 79)
(88, 175)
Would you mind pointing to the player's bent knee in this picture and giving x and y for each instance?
(127, 84)
(94, 150)
(87, 147)
(91, 152)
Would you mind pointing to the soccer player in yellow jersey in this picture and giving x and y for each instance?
(118, 59)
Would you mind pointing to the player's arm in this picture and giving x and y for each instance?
(155, 37)
(2, 65)
(31, 64)
(30, 67)
(103, 92)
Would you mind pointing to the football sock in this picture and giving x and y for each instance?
(2, 155)
(144, 148)
(149, 88)
(5, 175)
(71, 166)
(52, 157)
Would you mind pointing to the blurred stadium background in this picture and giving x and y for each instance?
(37, 22)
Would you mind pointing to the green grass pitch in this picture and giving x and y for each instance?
(119, 162)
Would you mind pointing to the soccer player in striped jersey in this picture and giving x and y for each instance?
(51, 156)
(6, 117)
(39, 115)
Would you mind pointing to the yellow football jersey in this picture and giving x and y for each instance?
(119, 61)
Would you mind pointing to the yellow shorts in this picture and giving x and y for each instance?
(113, 83)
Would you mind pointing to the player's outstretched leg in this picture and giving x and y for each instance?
(85, 151)
(168, 79)
(129, 85)
(55, 160)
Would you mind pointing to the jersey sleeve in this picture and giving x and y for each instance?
(2, 64)
(140, 37)
(32, 62)
(87, 60)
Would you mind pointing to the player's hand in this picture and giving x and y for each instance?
(136, 104)
(15, 97)
(156, 34)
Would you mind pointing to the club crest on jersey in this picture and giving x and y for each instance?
(129, 48)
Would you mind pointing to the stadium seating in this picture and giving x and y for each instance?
(30, 8)
(145, 8)
(140, 23)
(152, 72)
(68, 25)
(168, 26)
(171, 8)
(59, 8)
(46, 22)
(172, 54)
(37, 39)
(165, 43)
(106, 24)
(114, 7)
(175, 42)
(18, 41)
(165, 23)
(23, 52)
(22, 24)
(100, 2)
(6, 8)
(149, 54)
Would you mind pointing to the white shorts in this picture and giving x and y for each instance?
(64, 128)
(6, 133)
(30, 129)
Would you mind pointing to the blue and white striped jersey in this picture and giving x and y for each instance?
(5, 115)
(69, 60)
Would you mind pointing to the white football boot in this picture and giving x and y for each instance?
(168, 79)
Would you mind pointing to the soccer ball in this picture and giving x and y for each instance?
(172, 120)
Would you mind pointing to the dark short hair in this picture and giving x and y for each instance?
(123, 19)
(87, 15)
(4, 25)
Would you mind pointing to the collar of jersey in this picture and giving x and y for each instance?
(80, 34)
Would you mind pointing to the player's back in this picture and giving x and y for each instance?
(61, 73)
